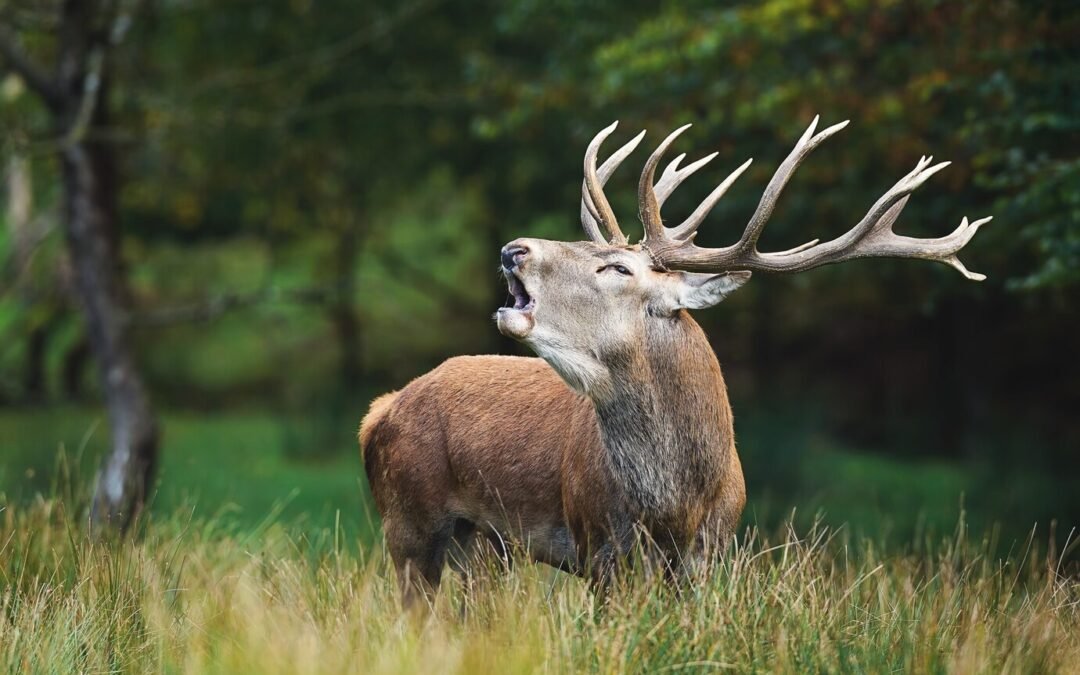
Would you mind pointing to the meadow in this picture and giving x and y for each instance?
(235, 223)
(190, 597)
(256, 558)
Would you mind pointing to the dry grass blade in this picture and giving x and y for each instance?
(191, 598)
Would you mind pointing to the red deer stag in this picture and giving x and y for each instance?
(622, 428)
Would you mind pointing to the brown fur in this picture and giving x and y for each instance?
(376, 412)
(503, 444)
(622, 430)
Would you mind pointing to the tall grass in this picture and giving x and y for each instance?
(188, 597)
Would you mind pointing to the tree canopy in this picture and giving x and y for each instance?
(316, 192)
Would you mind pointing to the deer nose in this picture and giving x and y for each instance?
(512, 255)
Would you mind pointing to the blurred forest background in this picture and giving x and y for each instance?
(255, 216)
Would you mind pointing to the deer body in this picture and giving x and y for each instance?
(500, 447)
(476, 447)
(622, 431)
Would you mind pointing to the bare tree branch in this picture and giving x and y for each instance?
(119, 24)
(91, 85)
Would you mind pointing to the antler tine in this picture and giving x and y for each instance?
(650, 211)
(595, 204)
(648, 204)
(871, 237)
(673, 176)
(887, 208)
(589, 218)
(687, 228)
(807, 143)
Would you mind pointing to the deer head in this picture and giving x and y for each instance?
(582, 304)
(575, 302)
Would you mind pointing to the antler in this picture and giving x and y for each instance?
(595, 209)
(872, 237)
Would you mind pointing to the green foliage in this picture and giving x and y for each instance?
(989, 87)
(314, 195)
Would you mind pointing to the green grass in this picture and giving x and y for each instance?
(238, 468)
(188, 597)
(259, 555)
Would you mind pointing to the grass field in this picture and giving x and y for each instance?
(190, 597)
(260, 555)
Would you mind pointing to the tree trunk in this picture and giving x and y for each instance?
(90, 209)
(86, 31)
(75, 92)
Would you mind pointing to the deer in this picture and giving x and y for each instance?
(621, 430)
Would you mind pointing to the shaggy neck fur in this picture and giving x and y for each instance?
(667, 424)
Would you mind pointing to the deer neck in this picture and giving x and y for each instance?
(666, 421)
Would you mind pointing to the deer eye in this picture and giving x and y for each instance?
(621, 269)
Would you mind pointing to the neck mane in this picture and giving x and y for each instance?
(666, 423)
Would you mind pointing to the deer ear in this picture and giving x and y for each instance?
(698, 291)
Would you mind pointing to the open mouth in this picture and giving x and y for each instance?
(517, 298)
(515, 317)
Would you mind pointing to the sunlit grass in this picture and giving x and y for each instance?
(187, 596)
(253, 560)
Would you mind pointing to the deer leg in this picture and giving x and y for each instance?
(612, 552)
(464, 546)
(470, 546)
(418, 553)
(601, 571)
(710, 545)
